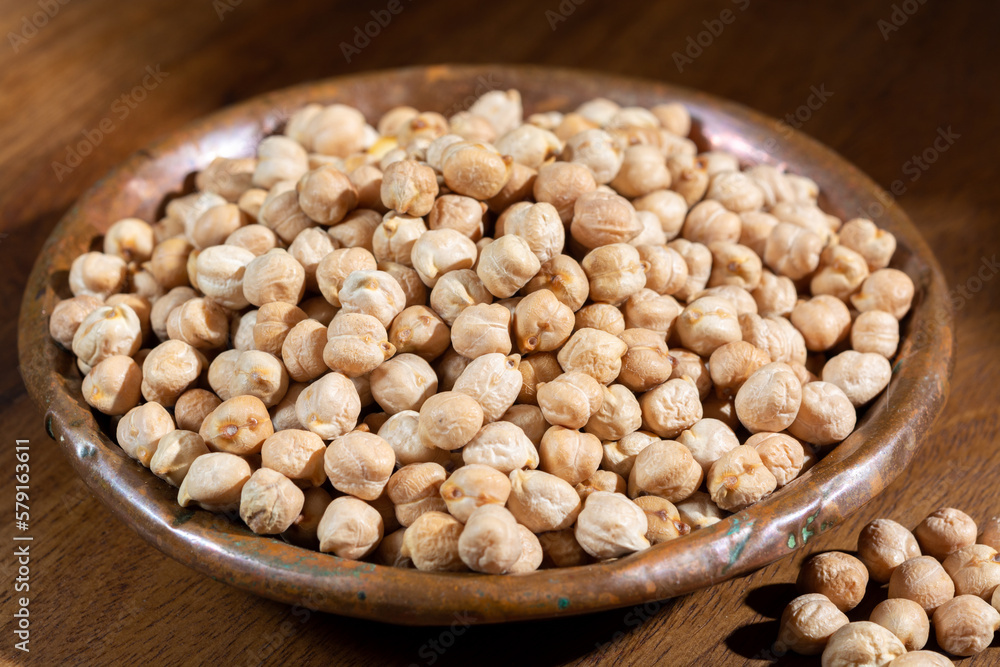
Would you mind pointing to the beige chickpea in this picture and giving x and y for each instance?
(541, 322)
(755, 227)
(646, 362)
(494, 381)
(875, 245)
(792, 251)
(274, 276)
(283, 415)
(415, 489)
(356, 344)
(68, 315)
(538, 224)
(214, 482)
(228, 178)
(739, 479)
(439, 251)
(193, 406)
(708, 440)
(782, 454)
(619, 456)
(131, 239)
(259, 374)
(350, 528)
(671, 407)
(669, 207)
(258, 239)
(274, 321)
(975, 569)
(610, 525)
(409, 280)
(502, 108)
(569, 454)
(393, 120)
(474, 170)
(240, 425)
(419, 330)
(279, 159)
(602, 218)
(269, 502)
(112, 386)
(220, 371)
(826, 416)
(775, 335)
(401, 431)
(169, 262)
(459, 213)
(336, 130)
(663, 521)
(220, 274)
(732, 364)
(688, 176)
(329, 407)
(667, 469)
(875, 331)
(394, 237)
(356, 230)
(643, 170)
(409, 187)
(140, 430)
(319, 309)
(501, 445)
(889, 290)
(689, 366)
(824, 321)
(561, 549)
(367, 182)
(842, 578)
(921, 659)
(945, 531)
(602, 480)
(471, 127)
(215, 225)
(648, 310)
(334, 269)
(490, 542)
(990, 533)
(250, 203)
(175, 452)
(561, 184)
(710, 222)
(602, 317)
(841, 272)
(773, 182)
(473, 486)
(775, 295)
(107, 331)
(456, 291)
(923, 580)
(531, 552)
(806, 216)
(535, 370)
(97, 274)
(735, 190)
(722, 409)
(905, 619)
(861, 376)
(282, 213)
(618, 415)
(804, 189)
(482, 329)
(707, 324)
(529, 145)
(674, 117)
(431, 542)
(666, 270)
(506, 264)
(699, 511)
(565, 278)
(163, 306)
(598, 110)
(296, 454)
(359, 463)
(449, 420)
(597, 150)
(373, 293)
(862, 643)
(169, 370)
(302, 351)
(699, 266)
(734, 264)
(542, 502)
(241, 330)
(594, 352)
(403, 383)
(965, 625)
(882, 545)
(807, 624)
(741, 299)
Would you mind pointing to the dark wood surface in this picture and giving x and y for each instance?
(100, 595)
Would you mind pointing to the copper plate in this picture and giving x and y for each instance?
(854, 473)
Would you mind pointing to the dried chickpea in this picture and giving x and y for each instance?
(461, 214)
(482, 329)
(394, 237)
(708, 440)
(283, 415)
(734, 264)
(825, 415)
(884, 544)
(258, 239)
(415, 489)
(334, 269)
(905, 619)
(699, 511)
(296, 454)
(473, 486)
(602, 480)
(274, 276)
(603, 218)
(775, 295)
(889, 290)
(569, 455)
(491, 541)
(945, 531)
(561, 184)
(823, 320)
(531, 552)
(643, 170)
(663, 521)
(494, 381)
(736, 190)
(535, 370)
(169, 262)
(875, 245)
(269, 502)
(274, 321)
(239, 425)
(506, 264)
(862, 643)
(921, 659)
(667, 469)
(841, 272)
(739, 479)
(965, 625)
(618, 415)
(541, 501)
(474, 170)
(350, 528)
(449, 420)
(842, 578)
(220, 371)
(214, 482)
(261, 375)
(175, 453)
(923, 580)
(215, 225)
(709, 222)
(140, 430)
(560, 549)
(699, 266)
(707, 324)
(610, 525)
(356, 344)
(401, 432)
(302, 350)
(359, 463)
(666, 271)
(113, 385)
(279, 159)
(169, 370)
(619, 456)
(373, 293)
(418, 330)
(541, 322)
(646, 363)
(770, 399)
(732, 364)
(106, 332)
(68, 315)
(529, 419)
(220, 274)
(192, 407)
(807, 624)
(990, 533)
(648, 310)
(792, 251)
(563, 276)
(131, 239)
(861, 376)
(975, 569)
(97, 274)
(241, 330)
(329, 407)
(456, 291)
(671, 407)
(409, 187)
(602, 317)
(782, 454)
(875, 331)
(538, 224)
(570, 399)
(501, 445)
(596, 353)
(431, 542)
(439, 251)
(403, 383)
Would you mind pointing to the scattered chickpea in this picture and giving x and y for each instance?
(68, 315)
(475, 171)
(945, 531)
(671, 407)
(905, 619)
(193, 406)
(965, 625)
(923, 580)
(106, 332)
(449, 420)
(707, 324)
(882, 545)
(975, 569)
(842, 578)
(807, 624)
(862, 643)
(570, 399)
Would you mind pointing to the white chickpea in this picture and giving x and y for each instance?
(594, 352)
(646, 363)
(214, 482)
(861, 376)
(792, 251)
(350, 528)
(494, 381)
(782, 454)
(473, 486)
(699, 264)
(329, 407)
(707, 324)
(667, 469)
(97, 274)
(542, 502)
(439, 251)
(671, 407)
(270, 502)
(826, 416)
(610, 525)
(824, 321)
(875, 245)
(889, 290)
(274, 276)
(403, 383)
(359, 463)
(373, 293)
(603, 218)
(501, 445)
(175, 452)
(140, 430)
(506, 265)
(107, 331)
(708, 440)
(561, 184)
(569, 454)
(739, 478)
(261, 375)
(401, 431)
(490, 542)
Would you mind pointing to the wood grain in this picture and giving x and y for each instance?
(101, 596)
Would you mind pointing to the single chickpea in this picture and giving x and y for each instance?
(68, 315)
(643, 170)
(473, 486)
(490, 542)
(409, 281)
(529, 145)
(419, 330)
(472, 127)
(356, 344)
(663, 521)
(541, 501)
(401, 432)
(792, 251)
(734, 264)
(741, 299)
(431, 542)
(214, 482)
(739, 479)
(258, 239)
(221, 271)
(506, 265)
(334, 269)
(319, 309)
(501, 445)
(561, 184)
(215, 225)
(707, 324)
(239, 425)
(538, 224)
(274, 276)
(350, 528)
(889, 290)
(699, 511)
(671, 407)
(669, 207)
(250, 203)
(359, 463)
(841, 272)
(990, 533)
(708, 440)
(842, 578)
(502, 108)
(597, 150)
(699, 264)
(861, 376)
(474, 170)
(373, 293)
(192, 407)
(112, 386)
(862, 643)
(560, 549)
(169, 370)
(602, 317)
(619, 457)
(228, 178)
(882, 545)
(529, 419)
(449, 420)
(367, 182)
(462, 214)
(531, 552)
(688, 176)
(97, 274)
(610, 525)
(494, 381)
(776, 295)
(282, 213)
(541, 323)
(279, 159)
(648, 310)
(965, 625)
(357, 230)
(667, 270)
(175, 453)
(163, 306)
(826, 416)
(689, 366)
(220, 371)
(596, 353)
(394, 237)
(875, 331)
(602, 218)
(722, 409)
(945, 531)
(535, 370)
(261, 375)
(140, 430)
(807, 624)
(618, 415)
(667, 469)
(875, 245)
(274, 321)
(732, 364)
(106, 332)
(283, 415)
(710, 222)
(775, 335)
(329, 407)
(296, 454)
(403, 383)
(302, 351)
(409, 187)
(923, 580)
(674, 117)
(455, 291)
(336, 130)
(602, 480)
(131, 239)
(782, 454)
(415, 489)
(569, 454)
(482, 329)
(735, 190)
(646, 363)
(755, 227)
(564, 277)
(241, 330)
(824, 321)
(905, 619)
(975, 569)
(269, 502)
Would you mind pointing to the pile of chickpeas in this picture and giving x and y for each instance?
(941, 573)
(484, 342)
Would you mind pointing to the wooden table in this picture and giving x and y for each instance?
(884, 82)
